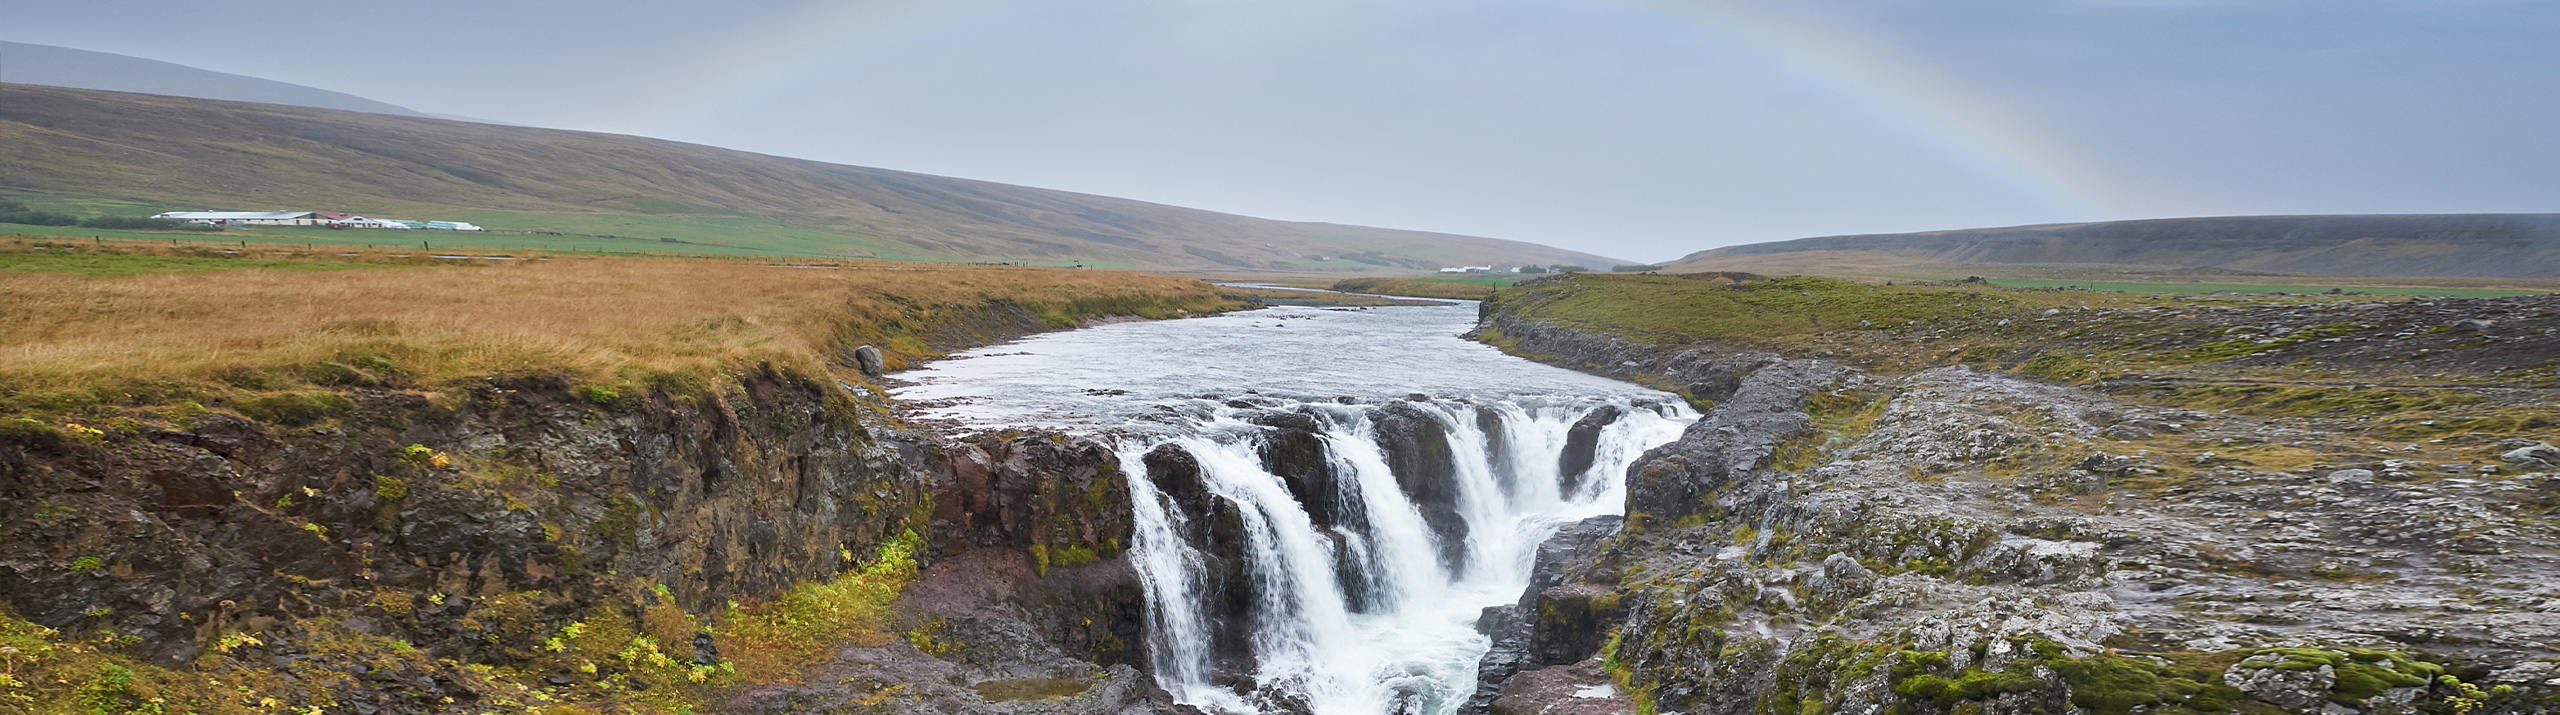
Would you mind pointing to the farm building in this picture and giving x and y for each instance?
(248, 218)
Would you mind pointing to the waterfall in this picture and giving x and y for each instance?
(1332, 558)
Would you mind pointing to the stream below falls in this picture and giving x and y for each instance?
(1326, 498)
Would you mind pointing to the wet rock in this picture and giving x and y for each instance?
(1555, 622)
(1426, 470)
(705, 651)
(2296, 690)
(2536, 456)
(1293, 449)
(1417, 451)
(1176, 475)
(1577, 689)
(1215, 531)
(1581, 443)
(1572, 621)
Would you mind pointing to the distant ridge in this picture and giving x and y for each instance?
(51, 66)
(195, 153)
(2430, 245)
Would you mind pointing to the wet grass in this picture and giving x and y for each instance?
(1454, 288)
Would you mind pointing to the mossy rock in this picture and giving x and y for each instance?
(295, 409)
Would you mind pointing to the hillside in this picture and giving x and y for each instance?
(2457, 245)
(142, 149)
(23, 63)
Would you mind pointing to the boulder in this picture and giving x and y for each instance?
(2295, 690)
(867, 359)
(2534, 457)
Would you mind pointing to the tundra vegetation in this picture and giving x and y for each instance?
(1958, 497)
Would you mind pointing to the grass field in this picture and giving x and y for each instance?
(114, 266)
(1473, 287)
(91, 327)
(2138, 287)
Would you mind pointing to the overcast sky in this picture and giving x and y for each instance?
(1641, 130)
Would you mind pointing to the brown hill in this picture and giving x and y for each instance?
(193, 153)
(2448, 245)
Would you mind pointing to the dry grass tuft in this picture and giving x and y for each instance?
(616, 320)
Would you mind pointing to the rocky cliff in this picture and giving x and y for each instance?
(1975, 538)
(527, 541)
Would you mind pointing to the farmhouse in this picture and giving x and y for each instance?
(311, 218)
(248, 218)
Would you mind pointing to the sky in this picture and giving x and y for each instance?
(1639, 130)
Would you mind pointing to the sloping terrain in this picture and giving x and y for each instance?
(83, 69)
(198, 153)
(1957, 498)
(2452, 245)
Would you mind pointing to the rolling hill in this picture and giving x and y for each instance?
(23, 63)
(2448, 245)
(137, 150)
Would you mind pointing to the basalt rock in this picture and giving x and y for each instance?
(1213, 527)
(1555, 622)
(524, 487)
(1061, 498)
(1581, 444)
(1418, 453)
(1979, 542)
(1293, 449)
(1578, 689)
(1728, 443)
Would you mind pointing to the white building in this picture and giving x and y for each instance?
(247, 218)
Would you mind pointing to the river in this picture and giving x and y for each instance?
(1353, 591)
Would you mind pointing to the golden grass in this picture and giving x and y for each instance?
(606, 319)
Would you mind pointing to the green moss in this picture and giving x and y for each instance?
(390, 489)
(2221, 350)
(88, 564)
(2056, 366)
(1074, 556)
(2359, 673)
(599, 394)
(2280, 401)
(621, 519)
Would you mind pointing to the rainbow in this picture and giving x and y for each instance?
(1899, 99)
(1902, 100)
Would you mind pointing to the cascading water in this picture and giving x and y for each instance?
(1322, 512)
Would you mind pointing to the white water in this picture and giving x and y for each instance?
(1192, 383)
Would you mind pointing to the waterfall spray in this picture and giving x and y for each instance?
(1371, 610)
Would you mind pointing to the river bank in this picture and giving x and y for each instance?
(502, 488)
(1963, 499)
